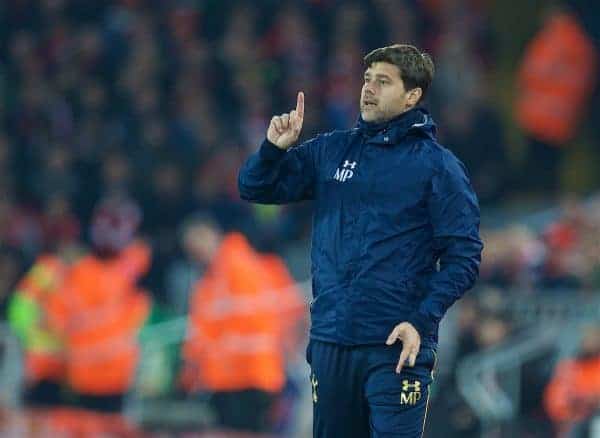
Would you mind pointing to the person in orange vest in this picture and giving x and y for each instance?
(43, 347)
(101, 309)
(242, 315)
(556, 78)
(573, 394)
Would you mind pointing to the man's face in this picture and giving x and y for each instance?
(201, 243)
(383, 95)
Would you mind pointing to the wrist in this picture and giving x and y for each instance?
(270, 151)
(277, 145)
(421, 323)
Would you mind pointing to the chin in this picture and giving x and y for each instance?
(368, 116)
(374, 118)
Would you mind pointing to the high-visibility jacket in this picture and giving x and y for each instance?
(557, 75)
(28, 316)
(100, 314)
(241, 314)
(574, 391)
(294, 308)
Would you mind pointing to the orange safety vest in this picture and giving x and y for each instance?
(294, 308)
(555, 79)
(42, 345)
(100, 313)
(240, 318)
(574, 390)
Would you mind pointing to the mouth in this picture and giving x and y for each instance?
(369, 104)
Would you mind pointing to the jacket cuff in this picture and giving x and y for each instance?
(421, 323)
(269, 152)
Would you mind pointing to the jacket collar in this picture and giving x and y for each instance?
(416, 120)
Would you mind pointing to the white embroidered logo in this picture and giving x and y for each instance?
(346, 172)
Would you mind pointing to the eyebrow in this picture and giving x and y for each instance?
(379, 75)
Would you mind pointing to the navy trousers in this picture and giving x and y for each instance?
(357, 393)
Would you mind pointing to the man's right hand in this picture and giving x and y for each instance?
(285, 129)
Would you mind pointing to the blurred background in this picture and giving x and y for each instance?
(140, 297)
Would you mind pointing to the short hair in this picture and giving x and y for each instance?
(416, 67)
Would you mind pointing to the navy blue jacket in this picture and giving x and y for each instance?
(395, 228)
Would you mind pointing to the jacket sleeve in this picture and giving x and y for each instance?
(454, 215)
(275, 176)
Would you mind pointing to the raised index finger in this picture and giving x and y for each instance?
(300, 105)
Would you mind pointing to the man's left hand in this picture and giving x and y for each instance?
(411, 343)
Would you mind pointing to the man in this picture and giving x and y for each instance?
(101, 309)
(43, 349)
(29, 308)
(572, 396)
(395, 243)
(242, 315)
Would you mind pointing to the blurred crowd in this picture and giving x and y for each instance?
(157, 103)
(563, 254)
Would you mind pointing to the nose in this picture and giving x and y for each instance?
(369, 90)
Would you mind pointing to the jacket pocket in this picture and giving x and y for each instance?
(427, 361)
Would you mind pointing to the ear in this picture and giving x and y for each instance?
(414, 96)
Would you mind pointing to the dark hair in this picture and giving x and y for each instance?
(416, 67)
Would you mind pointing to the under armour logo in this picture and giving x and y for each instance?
(346, 172)
(406, 385)
(411, 392)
